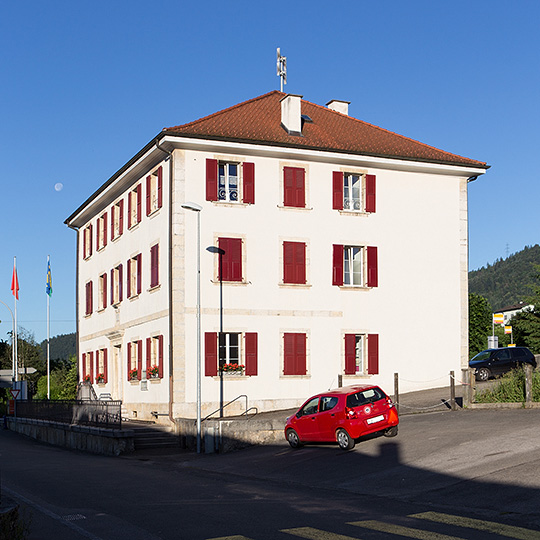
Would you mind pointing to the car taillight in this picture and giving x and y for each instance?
(389, 401)
(351, 413)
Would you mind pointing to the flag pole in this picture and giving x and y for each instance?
(15, 294)
(48, 332)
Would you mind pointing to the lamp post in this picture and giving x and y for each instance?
(197, 208)
(13, 346)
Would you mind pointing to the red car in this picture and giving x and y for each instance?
(343, 415)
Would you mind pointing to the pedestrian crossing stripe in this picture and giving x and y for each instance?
(402, 531)
(519, 533)
(316, 534)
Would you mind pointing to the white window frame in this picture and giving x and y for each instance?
(135, 271)
(116, 286)
(102, 291)
(133, 203)
(154, 203)
(355, 276)
(115, 220)
(87, 241)
(360, 354)
(101, 239)
(225, 192)
(134, 359)
(100, 363)
(225, 350)
(352, 203)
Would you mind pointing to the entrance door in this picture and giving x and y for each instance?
(117, 372)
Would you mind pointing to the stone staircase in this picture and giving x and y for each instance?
(149, 435)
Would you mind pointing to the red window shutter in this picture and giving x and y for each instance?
(249, 183)
(288, 354)
(130, 205)
(372, 277)
(113, 221)
(148, 193)
(128, 360)
(121, 217)
(350, 354)
(139, 359)
(373, 354)
(128, 280)
(294, 187)
(139, 273)
(211, 180)
(160, 187)
(84, 243)
(91, 296)
(104, 229)
(294, 262)
(160, 353)
(294, 354)
(301, 354)
(105, 366)
(288, 262)
(288, 186)
(210, 354)
(97, 233)
(370, 192)
(139, 202)
(90, 240)
(91, 360)
(104, 300)
(337, 265)
(154, 266)
(120, 283)
(251, 353)
(148, 355)
(337, 190)
(231, 259)
(84, 369)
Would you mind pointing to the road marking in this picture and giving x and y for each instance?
(316, 534)
(481, 525)
(403, 531)
(43, 510)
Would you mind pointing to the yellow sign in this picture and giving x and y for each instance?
(511, 344)
(507, 329)
(498, 318)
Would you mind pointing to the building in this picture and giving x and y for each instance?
(331, 250)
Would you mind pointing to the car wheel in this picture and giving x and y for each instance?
(293, 439)
(483, 374)
(391, 432)
(344, 440)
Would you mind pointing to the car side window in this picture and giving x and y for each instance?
(328, 403)
(503, 355)
(518, 353)
(311, 407)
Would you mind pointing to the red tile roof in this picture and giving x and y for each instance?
(258, 121)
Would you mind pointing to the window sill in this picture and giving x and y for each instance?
(306, 376)
(133, 297)
(236, 376)
(154, 212)
(303, 208)
(229, 204)
(99, 249)
(356, 213)
(354, 287)
(237, 283)
(154, 380)
(295, 285)
(134, 382)
(116, 238)
(154, 288)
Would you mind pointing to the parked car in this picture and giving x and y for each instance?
(343, 415)
(494, 362)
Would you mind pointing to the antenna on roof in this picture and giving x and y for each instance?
(281, 68)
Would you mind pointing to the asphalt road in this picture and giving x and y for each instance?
(447, 475)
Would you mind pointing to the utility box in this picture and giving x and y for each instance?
(493, 342)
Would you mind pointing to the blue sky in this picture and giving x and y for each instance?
(85, 85)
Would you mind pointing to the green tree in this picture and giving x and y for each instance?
(479, 323)
(63, 382)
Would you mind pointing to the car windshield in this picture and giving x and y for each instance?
(366, 396)
(484, 355)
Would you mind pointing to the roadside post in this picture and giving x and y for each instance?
(452, 391)
(396, 391)
(528, 384)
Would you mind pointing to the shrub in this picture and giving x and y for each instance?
(510, 388)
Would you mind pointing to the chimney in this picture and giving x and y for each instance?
(291, 114)
(339, 106)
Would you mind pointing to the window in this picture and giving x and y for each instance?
(294, 190)
(355, 354)
(154, 266)
(88, 367)
(134, 206)
(88, 295)
(154, 197)
(230, 349)
(354, 192)
(230, 259)
(134, 360)
(355, 266)
(101, 233)
(154, 357)
(117, 219)
(230, 182)
(87, 241)
(134, 280)
(101, 366)
(294, 347)
(102, 293)
(116, 285)
(294, 262)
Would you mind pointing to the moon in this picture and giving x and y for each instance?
(58, 186)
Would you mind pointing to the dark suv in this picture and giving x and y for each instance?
(492, 362)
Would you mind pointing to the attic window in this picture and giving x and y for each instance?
(306, 118)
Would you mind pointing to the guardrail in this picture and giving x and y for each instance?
(103, 414)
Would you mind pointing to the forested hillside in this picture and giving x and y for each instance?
(507, 281)
(60, 347)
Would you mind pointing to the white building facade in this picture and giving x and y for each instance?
(330, 250)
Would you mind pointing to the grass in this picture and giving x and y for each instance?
(510, 389)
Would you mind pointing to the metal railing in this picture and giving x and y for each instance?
(103, 414)
(230, 403)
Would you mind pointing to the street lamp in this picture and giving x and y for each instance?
(197, 208)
